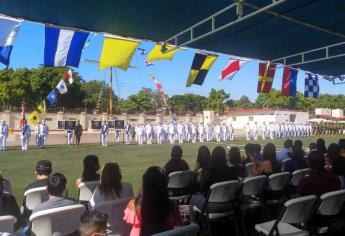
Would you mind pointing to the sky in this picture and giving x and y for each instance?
(28, 52)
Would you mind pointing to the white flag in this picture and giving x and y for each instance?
(62, 87)
(232, 68)
(68, 76)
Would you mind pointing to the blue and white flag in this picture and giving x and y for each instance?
(63, 47)
(52, 97)
(8, 32)
(311, 86)
(62, 87)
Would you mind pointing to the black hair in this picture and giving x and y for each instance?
(204, 157)
(91, 166)
(298, 143)
(288, 143)
(235, 156)
(249, 148)
(176, 152)
(92, 222)
(316, 161)
(56, 184)
(44, 167)
(320, 146)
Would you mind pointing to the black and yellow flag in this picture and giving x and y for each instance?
(200, 67)
(33, 117)
(42, 107)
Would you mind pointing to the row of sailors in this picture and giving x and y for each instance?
(278, 130)
(182, 132)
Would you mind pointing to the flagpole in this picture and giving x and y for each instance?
(111, 92)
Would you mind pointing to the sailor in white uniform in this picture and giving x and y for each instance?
(70, 136)
(217, 131)
(230, 132)
(180, 132)
(255, 130)
(128, 130)
(36, 133)
(201, 132)
(272, 130)
(104, 134)
(25, 133)
(165, 132)
(224, 131)
(264, 130)
(3, 135)
(159, 133)
(45, 132)
(193, 129)
(248, 131)
(148, 131)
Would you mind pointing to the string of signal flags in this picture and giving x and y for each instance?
(64, 46)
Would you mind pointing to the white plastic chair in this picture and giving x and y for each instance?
(180, 181)
(188, 230)
(298, 175)
(253, 187)
(7, 186)
(115, 209)
(56, 221)
(7, 223)
(86, 190)
(34, 197)
(277, 182)
(249, 169)
(221, 203)
(331, 205)
(296, 211)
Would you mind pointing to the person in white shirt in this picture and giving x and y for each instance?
(208, 131)
(70, 136)
(217, 132)
(248, 131)
(45, 132)
(193, 131)
(277, 128)
(180, 131)
(255, 130)
(264, 130)
(272, 130)
(25, 133)
(201, 132)
(104, 134)
(111, 187)
(159, 133)
(224, 132)
(41, 134)
(139, 133)
(187, 132)
(171, 133)
(128, 130)
(165, 131)
(231, 132)
(3, 135)
(148, 131)
(36, 133)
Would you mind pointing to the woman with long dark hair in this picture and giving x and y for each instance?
(158, 213)
(202, 169)
(321, 146)
(91, 166)
(111, 187)
(269, 164)
(297, 161)
(235, 161)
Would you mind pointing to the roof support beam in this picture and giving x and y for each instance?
(306, 57)
(212, 19)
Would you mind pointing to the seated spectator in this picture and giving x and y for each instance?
(235, 161)
(257, 151)
(111, 187)
(297, 161)
(284, 153)
(93, 223)
(6, 185)
(57, 193)
(220, 171)
(298, 143)
(320, 146)
(320, 180)
(42, 172)
(342, 147)
(176, 163)
(269, 164)
(250, 153)
(312, 147)
(9, 206)
(91, 166)
(152, 211)
(202, 170)
(337, 162)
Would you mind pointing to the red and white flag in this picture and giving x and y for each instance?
(68, 76)
(148, 63)
(232, 68)
(159, 86)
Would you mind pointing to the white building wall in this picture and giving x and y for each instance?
(323, 111)
(337, 113)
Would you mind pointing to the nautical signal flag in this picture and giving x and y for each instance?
(200, 66)
(289, 84)
(34, 118)
(311, 86)
(160, 52)
(266, 76)
(117, 52)
(62, 87)
(63, 47)
(52, 97)
(68, 76)
(8, 32)
(232, 68)
(42, 107)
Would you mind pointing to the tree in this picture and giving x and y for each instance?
(182, 104)
(144, 100)
(217, 99)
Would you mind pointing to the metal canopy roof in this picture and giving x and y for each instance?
(261, 35)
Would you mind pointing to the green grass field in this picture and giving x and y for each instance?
(18, 166)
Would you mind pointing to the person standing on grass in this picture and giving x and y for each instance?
(77, 133)
(3, 135)
(104, 134)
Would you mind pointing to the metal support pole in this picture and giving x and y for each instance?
(111, 92)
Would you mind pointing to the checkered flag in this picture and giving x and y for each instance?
(311, 86)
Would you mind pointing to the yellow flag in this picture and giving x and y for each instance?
(117, 53)
(33, 117)
(42, 107)
(11, 131)
(157, 54)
